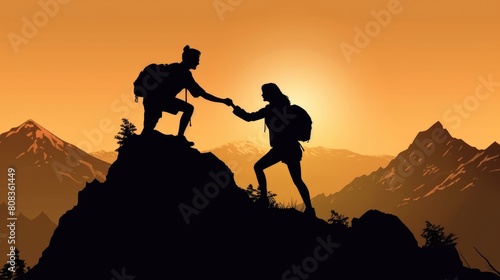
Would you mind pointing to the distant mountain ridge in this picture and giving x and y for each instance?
(438, 178)
(49, 173)
(324, 170)
(32, 235)
(107, 156)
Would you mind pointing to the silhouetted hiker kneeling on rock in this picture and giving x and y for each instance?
(287, 125)
(159, 84)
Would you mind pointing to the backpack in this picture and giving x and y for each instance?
(149, 79)
(301, 125)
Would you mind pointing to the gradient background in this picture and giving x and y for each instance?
(73, 72)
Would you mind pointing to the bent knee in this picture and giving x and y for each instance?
(188, 108)
(258, 167)
(298, 181)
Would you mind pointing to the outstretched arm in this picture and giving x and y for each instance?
(213, 98)
(195, 90)
(249, 116)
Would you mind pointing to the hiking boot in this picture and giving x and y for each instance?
(183, 139)
(262, 202)
(310, 212)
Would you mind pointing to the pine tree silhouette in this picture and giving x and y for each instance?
(5, 273)
(435, 237)
(338, 219)
(254, 194)
(20, 269)
(126, 129)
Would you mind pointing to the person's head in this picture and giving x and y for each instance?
(272, 93)
(191, 57)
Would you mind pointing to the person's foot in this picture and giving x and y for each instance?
(183, 139)
(262, 202)
(310, 212)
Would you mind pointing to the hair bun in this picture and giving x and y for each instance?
(186, 48)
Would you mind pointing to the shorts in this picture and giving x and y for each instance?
(170, 106)
(289, 152)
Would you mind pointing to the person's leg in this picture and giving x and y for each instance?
(187, 111)
(296, 173)
(266, 161)
(150, 120)
(174, 106)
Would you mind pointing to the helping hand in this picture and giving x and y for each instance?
(228, 102)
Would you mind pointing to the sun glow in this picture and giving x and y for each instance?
(306, 77)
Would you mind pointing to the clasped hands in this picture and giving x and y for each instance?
(229, 102)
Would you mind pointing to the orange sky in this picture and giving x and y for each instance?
(371, 73)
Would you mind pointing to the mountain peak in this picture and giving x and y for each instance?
(30, 125)
(34, 137)
(42, 216)
(22, 217)
(30, 122)
(54, 170)
(437, 126)
(494, 147)
(435, 134)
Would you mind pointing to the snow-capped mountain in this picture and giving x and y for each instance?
(433, 165)
(437, 178)
(324, 170)
(106, 156)
(49, 172)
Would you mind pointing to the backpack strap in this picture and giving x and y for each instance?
(186, 98)
(301, 147)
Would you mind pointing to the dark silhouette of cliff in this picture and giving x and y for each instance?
(167, 211)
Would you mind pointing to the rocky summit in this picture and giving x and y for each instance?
(168, 211)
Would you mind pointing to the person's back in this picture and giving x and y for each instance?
(169, 82)
(177, 80)
(276, 124)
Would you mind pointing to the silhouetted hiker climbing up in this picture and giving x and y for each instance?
(285, 146)
(159, 84)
